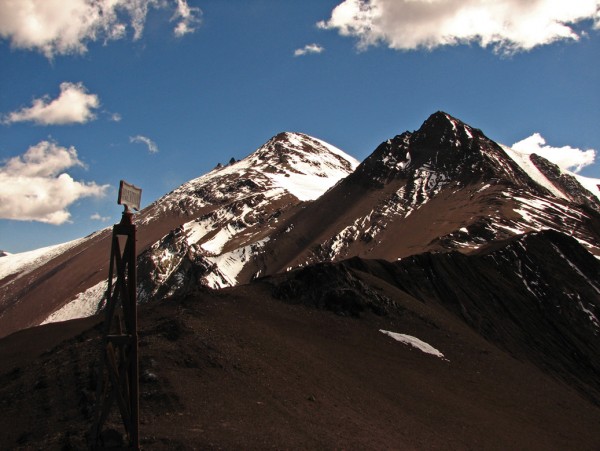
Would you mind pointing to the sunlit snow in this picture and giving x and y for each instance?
(26, 262)
(414, 342)
(85, 304)
(230, 264)
(524, 161)
(589, 183)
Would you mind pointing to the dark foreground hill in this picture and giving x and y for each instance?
(297, 361)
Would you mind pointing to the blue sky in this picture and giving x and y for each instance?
(160, 96)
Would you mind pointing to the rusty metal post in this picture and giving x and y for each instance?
(118, 376)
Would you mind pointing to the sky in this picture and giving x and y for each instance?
(157, 92)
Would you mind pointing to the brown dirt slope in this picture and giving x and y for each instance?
(269, 366)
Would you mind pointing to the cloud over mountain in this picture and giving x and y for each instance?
(507, 26)
(566, 157)
(34, 186)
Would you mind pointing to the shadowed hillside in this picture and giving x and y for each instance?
(297, 361)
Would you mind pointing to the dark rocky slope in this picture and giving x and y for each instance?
(297, 361)
(536, 296)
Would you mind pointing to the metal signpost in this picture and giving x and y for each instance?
(118, 369)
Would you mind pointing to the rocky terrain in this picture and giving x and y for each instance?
(442, 294)
(299, 360)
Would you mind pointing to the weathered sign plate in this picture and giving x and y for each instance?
(129, 195)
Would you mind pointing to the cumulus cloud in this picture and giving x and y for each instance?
(152, 147)
(566, 157)
(309, 48)
(56, 27)
(74, 105)
(507, 26)
(34, 186)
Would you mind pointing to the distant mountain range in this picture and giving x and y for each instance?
(297, 201)
(467, 250)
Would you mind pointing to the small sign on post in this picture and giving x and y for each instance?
(129, 195)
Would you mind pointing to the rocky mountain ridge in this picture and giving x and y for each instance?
(298, 201)
(286, 297)
(444, 187)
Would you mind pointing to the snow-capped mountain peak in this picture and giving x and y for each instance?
(234, 208)
(302, 165)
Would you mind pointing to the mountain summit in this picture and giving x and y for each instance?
(444, 148)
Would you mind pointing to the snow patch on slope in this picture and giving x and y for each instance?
(25, 262)
(414, 342)
(589, 183)
(524, 161)
(305, 186)
(230, 264)
(83, 305)
(307, 175)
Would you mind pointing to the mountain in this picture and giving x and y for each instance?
(441, 294)
(537, 296)
(444, 187)
(297, 201)
(247, 201)
(212, 222)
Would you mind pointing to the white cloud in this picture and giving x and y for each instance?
(74, 105)
(115, 117)
(98, 217)
(33, 186)
(565, 157)
(66, 26)
(152, 147)
(188, 18)
(309, 48)
(507, 26)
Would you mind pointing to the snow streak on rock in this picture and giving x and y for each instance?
(524, 161)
